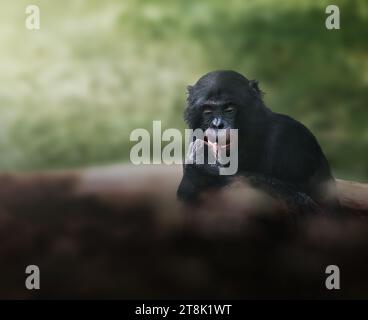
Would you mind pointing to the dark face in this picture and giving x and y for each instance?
(219, 99)
(218, 115)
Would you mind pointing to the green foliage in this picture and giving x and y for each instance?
(73, 91)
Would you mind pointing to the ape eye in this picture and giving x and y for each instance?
(229, 109)
(207, 111)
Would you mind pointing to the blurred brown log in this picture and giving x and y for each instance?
(124, 184)
(353, 195)
(140, 181)
(118, 232)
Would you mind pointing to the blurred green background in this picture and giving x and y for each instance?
(71, 92)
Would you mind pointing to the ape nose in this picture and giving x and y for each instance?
(217, 123)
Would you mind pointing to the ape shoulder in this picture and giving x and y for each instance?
(291, 131)
(291, 152)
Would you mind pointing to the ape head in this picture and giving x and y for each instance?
(220, 99)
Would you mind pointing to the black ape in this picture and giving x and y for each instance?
(275, 151)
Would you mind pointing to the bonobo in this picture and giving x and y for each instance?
(275, 152)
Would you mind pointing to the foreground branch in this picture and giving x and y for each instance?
(118, 232)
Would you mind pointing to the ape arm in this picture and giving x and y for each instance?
(196, 179)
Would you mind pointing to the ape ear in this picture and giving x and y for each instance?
(190, 97)
(253, 84)
(189, 89)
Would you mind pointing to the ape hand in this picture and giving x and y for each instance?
(203, 156)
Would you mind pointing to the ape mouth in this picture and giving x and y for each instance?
(217, 140)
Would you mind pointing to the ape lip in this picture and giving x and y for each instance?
(216, 141)
(215, 146)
